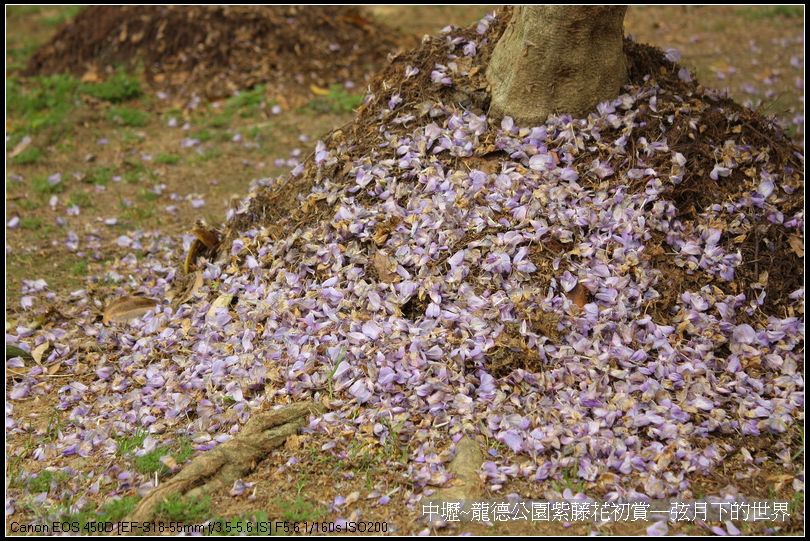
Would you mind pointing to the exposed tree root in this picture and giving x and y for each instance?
(466, 467)
(466, 485)
(217, 469)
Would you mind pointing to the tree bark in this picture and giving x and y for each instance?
(557, 59)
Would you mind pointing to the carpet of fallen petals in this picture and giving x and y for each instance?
(426, 268)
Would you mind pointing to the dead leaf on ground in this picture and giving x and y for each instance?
(386, 267)
(293, 443)
(188, 290)
(22, 145)
(39, 351)
(797, 245)
(208, 235)
(128, 307)
(318, 91)
(197, 247)
(578, 295)
(206, 242)
(91, 76)
(223, 301)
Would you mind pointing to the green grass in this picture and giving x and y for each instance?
(120, 508)
(202, 135)
(121, 87)
(139, 213)
(79, 268)
(331, 376)
(130, 137)
(206, 155)
(44, 480)
(224, 136)
(28, 204)
(41, 185)
(260, 133)
(80, 199)
(167, 159)
(299, 509)
(31, 223)
(18, 56)
(570, 480)
(55, 424)
(337, 101)
(46, 102)
(800, 444)
(246, 102)
(133, 118)
(393, 447)
(796, 504)
(65, 13)
(366, 461)
(89, 517)
(27, 157)
(770, 12)
(42, 103)
(19, 11)
(148, 195)
(150, 462)
(184, 450)
(99, 175)
(14, 471)
(127, 444)
(41, 483)
(219, 121)
(178, 509)
(136, 172)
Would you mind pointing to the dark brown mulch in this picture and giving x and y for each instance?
(216, 50)
(768, 258)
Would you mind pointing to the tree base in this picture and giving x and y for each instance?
(557, 59)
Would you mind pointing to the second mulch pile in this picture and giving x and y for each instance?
(218, 50)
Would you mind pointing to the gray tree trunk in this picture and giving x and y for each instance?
(557, 59)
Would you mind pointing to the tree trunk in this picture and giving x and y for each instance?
(557, 59)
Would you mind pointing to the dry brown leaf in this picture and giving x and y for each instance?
(797, 245)
(195, 249)
(91, 76)
(318, 91)
(293, 443)
(170, 462)
(578, 295)
(207, 235)
(223, 301)
(10, 372)
(22, 145)
(189, 290)
(128, 307)
(386, 267)
(39, 351)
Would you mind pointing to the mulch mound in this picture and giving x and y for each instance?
(771, 257)
(217, 50)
